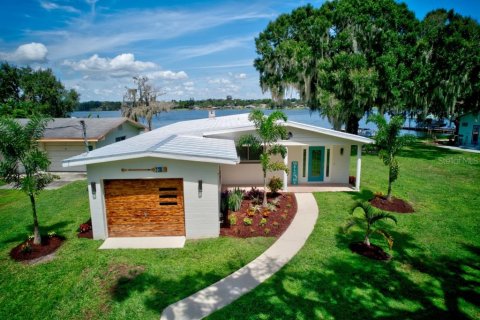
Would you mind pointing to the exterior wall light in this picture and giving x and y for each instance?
(93, 187)
(200, 188)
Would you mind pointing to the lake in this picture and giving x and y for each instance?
(166, 118)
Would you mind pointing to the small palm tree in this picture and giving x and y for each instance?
(268, 131)
(389, 143)
(367, 220)
(23, 164)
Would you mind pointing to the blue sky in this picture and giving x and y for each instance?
(189, 49)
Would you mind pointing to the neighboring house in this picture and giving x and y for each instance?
(63, 137)
(167, 182)
(468, 130)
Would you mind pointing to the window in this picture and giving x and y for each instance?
(327, 173)
(304, 166)
(90, 148)
(120, 138)
(248, 154)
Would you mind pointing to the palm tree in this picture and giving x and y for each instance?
(268, 131)
(389, 143)
(23, 164)
(368, 219)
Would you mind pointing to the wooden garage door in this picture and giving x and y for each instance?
(145, 208)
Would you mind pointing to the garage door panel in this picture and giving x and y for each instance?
(149, 207)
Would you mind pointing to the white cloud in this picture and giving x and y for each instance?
(85, 35)
(219, 81)
(123, 65)
(27, 53)
(240, 76)
(189, 84)
(54, 6)
(167, 75)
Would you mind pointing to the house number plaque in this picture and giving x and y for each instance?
(154, 169)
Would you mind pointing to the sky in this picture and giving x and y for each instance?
(188, 49)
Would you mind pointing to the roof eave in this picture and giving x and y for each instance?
(330, 132)
(80, 162)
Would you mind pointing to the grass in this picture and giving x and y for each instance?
(83, 282)
(433, 274)
(435, 270)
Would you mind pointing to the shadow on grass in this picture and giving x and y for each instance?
(164, 291)
(59, 228)
(362, 195)
(358, 288)
(425, 151)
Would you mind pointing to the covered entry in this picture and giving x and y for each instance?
(144, 207)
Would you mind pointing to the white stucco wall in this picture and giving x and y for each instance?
(126, 129)
(201, 213)
(251, 173)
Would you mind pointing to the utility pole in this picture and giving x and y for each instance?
(84, 128)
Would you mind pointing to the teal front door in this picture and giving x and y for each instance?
(316, 157)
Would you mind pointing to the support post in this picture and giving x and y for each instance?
(359, 167)
(285, 176)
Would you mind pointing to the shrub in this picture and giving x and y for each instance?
(351, 180)
(284, 216)
(85, 227)
(271, 207)
(253, 209)
(30, 237)
(265, 213)
(232, 219)
(247, 221)
(266, 231)
(26, 248)
(276, 224)
(262, 222)
(255, 195)
(275, 201)
(51, 234)
(235, 199)
(275, 184)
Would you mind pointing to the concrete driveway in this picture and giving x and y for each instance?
(65, 178)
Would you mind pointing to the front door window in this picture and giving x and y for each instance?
(316, 163)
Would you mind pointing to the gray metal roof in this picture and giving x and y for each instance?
(186, 140)
(70, 128)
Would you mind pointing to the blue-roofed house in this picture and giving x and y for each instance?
(167, 182)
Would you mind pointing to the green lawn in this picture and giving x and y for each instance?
(435, 271)
(86, 283)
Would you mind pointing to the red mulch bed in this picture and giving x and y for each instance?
(372, 252)
(394, 205)
(85, 230)
(277, 221)
(48, 246)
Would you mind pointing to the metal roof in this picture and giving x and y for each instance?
(71, 129)
(188, 140)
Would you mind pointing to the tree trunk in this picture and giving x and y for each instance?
(36, 232)
(352, 124)
(367, 241)
(389, 192)
(264, 203)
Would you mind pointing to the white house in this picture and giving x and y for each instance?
(167, 182)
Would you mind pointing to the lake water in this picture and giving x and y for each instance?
(166, 118)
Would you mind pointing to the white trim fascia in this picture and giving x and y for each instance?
(80, 162)
(330, 132)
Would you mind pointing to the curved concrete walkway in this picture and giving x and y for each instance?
(225, 291)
